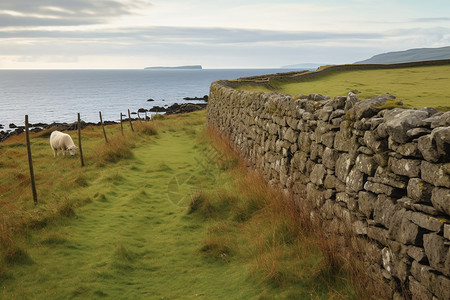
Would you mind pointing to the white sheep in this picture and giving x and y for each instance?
(62, 141)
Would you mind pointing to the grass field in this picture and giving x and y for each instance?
(416, 87)
(162, 213)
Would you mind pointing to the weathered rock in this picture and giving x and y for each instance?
(438, 252)
(437, 284)
(419, 190)
(403, 230)
(366, 203)
(351, 101)
(418, 132)
(441, 136)
(355, 180)
(441, 199)
(376, 145)
(435, 174)
(343, 165)
(417, 253)
(379, 188)
(318, 174)
(365, 164)
(447, 231)
(385, 177)
(424, 221)
(384, 210)
(347, 199)
(378, 234)
(330, 157)
(418, 291)
(290, 135)
(428, 148)
(405, 167)
(402, 122)
(368, 108)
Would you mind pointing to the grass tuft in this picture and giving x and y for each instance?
(147, 128)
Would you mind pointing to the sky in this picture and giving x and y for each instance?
(133, 34)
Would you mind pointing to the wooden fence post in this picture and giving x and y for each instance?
(121, 123)
(30, 161)
(101, 122)
(79, 140)
(129, 118)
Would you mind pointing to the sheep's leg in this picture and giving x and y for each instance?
(55, 152)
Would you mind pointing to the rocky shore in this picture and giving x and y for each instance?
(170, 110)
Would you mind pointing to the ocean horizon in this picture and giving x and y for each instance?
(48, 96)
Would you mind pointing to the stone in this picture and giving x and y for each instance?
(378, 234)
(315, 195)
(439, 285)
(438, 252)
(316, 151)
(417, 253)
(384, 210)
(384, 176)
(366, 203)
(365, 164)
(419, 190)
(318, 174)
(379, 188)
(329, 158)
(337, 113)
(368, 108)
(403, 230)
(360, 227)
(328, 139)
(435, 174)
(351, 101)
(428, 148)
(402, 122)
(304, 142)
(347, 199)
(447, 231)
(299, 161)
(376, 145)
(386, 257)
(409, 149)
(290, 135)
(418, 132)
(441, 136)
(343, 165)
(355, 180)
(342, 141)
(424, 221)
(440, 198)
(418, 291)
(405, 167)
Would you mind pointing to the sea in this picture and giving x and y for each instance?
(48, 96)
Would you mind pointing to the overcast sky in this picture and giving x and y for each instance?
(130, 34)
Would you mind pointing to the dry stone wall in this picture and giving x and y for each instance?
(385, 175)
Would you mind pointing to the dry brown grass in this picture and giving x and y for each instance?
(286, 245)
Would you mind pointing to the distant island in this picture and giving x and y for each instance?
(193, 67)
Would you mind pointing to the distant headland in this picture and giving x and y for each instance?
(193, 67)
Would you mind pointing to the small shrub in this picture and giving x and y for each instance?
(147, 128)
(118, 147)
(201, 203)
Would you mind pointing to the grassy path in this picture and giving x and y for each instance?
(131, 242)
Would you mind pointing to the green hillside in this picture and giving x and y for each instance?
(411, 55)
(418, 87)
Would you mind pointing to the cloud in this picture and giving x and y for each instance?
(65, 12)
(427, 20)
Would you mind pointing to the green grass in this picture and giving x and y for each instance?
(123, 228)
(415, 86)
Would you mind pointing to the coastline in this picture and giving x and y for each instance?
(64, 126)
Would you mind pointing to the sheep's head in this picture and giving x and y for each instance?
(72, 150)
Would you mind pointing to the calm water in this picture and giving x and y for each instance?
(58, 95)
